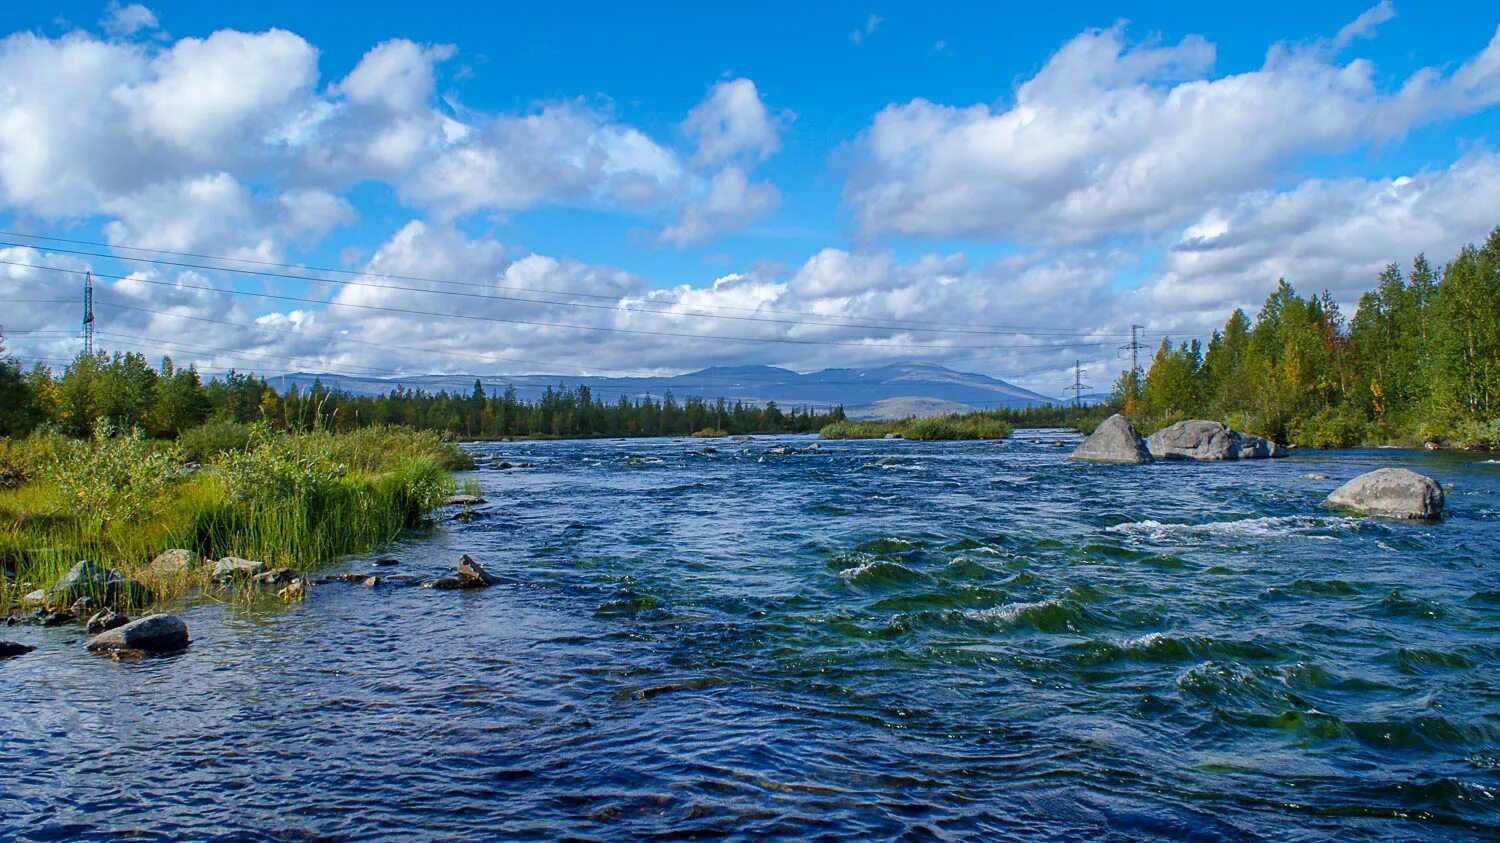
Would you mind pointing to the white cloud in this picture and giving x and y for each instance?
(203, 95)
(1111, 138)
(864, 31)
(732, 202)
(1364, 25)
(128, 20)
(1321, 235)
(395, 74)
(733, 121)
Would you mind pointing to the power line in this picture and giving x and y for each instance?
(496, 319)
(614, 305)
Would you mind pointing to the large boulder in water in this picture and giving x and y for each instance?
(1115, 440)
(1390, 493)
(470, 575)
(151, 634)
(1198, 439)
(89, 579)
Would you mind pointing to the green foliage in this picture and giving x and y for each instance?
(207, 441)
(1420, 359)
(979, 425)
(114, 479)
(285, 498)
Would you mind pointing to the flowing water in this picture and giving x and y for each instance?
(872, 640)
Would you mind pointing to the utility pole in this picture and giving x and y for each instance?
(1078, 385)
(88, 314)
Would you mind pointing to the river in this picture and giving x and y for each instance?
(870, 640)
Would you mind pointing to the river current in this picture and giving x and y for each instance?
(870, 640)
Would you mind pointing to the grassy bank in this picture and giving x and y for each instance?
(296, 500)
(965, 426)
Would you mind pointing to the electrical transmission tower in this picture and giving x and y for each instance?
(1134, 347)
(88, 314)
(1078, 385)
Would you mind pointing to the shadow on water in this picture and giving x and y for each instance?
(865, 641)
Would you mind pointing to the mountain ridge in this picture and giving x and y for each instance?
(920, 384)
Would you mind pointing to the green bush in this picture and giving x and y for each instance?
(207, 441)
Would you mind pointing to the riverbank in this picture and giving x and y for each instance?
(294, 500)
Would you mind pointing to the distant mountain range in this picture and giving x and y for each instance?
(893, 391)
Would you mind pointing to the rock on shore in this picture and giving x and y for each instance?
(1390, 493)
(1115, 440)
(151, 634)
(94, 581)
(1198, 439)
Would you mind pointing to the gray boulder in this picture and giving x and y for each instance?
(151, 634)
(1390, 493)
(175, 561)
(103, 586)
(278, 576)
(232, 568)
(1115, 440)
(1198, 439)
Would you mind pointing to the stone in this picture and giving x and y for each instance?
(82, 607)
(1390, 493)
(10, 649)
(232, 568)
(470, 575)
(370, 582)
(1313, 475)
(386, 562)
(1199, 439)
(782, 450)
(88, 579)
(1115, 440)
(151, 634)
(175, 561)
(105, 621)
(462, 500)
(893, 436)
(295, 592)
(278, 576)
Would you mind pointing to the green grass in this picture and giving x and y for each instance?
(978, 425)
(298, 500)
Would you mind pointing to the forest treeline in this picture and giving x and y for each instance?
(165, 401)
(1420, 360)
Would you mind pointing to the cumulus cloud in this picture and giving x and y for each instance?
(732, 129)
(732, 202)
(1321, 235)
(90, 127)
(1110, 137)
(733, 121)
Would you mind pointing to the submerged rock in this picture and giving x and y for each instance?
(278, 576)
(105, 621)
(1198, 439)
(1390, 493)
(232, 568)
(463, 500)
(1115, 440)
(295, 592)
(470, 575)
(151, 634)
(894, 436)
(88, 579)
(10, 649)
(782, 450)
(175, 561)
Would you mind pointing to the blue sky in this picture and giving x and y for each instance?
(887, 165)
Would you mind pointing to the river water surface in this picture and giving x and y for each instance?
(871, 640)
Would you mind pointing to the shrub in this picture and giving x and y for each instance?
(207, 441)
(709, 433)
